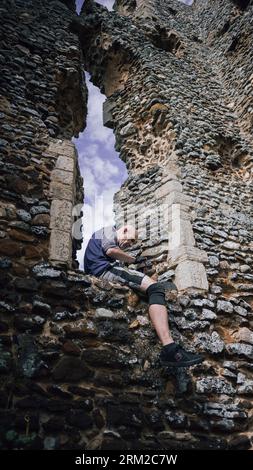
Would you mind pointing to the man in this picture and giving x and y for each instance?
(102, 256)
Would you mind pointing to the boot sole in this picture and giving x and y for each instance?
(182, 364)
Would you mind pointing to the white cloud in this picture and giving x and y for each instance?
(99, 176)
(107, 3)
(102, 170)
(95, 129)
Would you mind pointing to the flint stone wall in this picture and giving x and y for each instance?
(79, 365)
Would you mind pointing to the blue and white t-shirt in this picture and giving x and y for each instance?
(95, 259)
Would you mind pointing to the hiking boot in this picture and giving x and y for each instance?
(173, 355)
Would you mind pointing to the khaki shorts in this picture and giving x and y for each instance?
(124, 275)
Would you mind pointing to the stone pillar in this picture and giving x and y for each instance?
(183, 255)
(62, 191)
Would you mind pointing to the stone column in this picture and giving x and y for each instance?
(183, 255)
(62, 191)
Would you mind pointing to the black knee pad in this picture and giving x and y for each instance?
(156, 294)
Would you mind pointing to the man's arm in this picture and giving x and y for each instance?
(117, 253)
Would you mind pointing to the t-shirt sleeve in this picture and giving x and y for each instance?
(108, 240)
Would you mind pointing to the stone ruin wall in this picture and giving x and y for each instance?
(43, 103)
(79, 356)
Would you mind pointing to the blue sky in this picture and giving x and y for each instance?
(106, 3)
(102, 169)
(109, 3)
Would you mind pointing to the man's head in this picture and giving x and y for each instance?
(127, 235)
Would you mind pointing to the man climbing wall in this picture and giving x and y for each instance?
(105, 258)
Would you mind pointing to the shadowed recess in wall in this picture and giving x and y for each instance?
(243, 4)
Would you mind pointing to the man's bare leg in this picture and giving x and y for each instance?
(158, 315)
(172, 354)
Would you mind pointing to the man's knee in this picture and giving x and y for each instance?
(156, 294)
(146, 282)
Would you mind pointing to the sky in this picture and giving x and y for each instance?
(109, 3)
(102, 170)
(106, 3)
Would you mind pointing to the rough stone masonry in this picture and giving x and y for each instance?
(78, 356)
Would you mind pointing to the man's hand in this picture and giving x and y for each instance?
(143, 262)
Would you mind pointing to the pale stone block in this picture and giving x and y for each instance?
(65, 177)
(61, 215)
(61, 191)
(155, 250)
(179, 198)
(61, 147)
(184, 212)
(245, 335)
(2, 213)
(181, 232)
(65, 163)
(231, 245)
(171, 168)
(167, 188)
(186, 253)
(191, 275)
(169, 177)
(60, 247)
